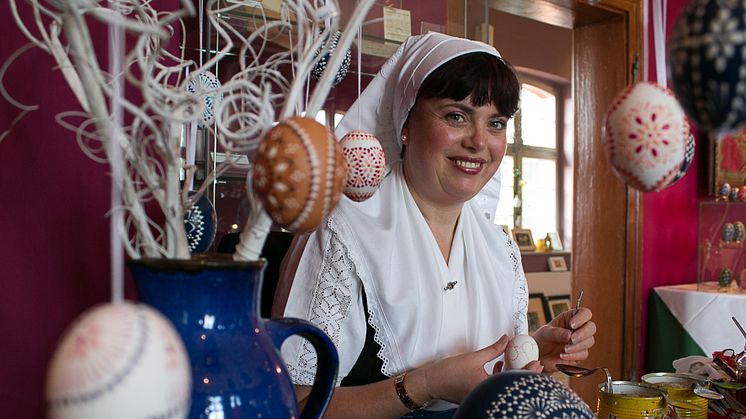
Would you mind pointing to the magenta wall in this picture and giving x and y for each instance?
(54, 239)
(670, 217)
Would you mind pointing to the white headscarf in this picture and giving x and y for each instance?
(393, 91)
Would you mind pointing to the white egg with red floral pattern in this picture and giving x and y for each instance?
(521, 350)
(119, 361)
(366, 163)
(645, 136)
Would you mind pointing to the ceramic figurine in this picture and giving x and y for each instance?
(725, 278)
(365, 162)
(706, 57)
(548, 243)
(740, 231)
(728, 234)
(318, 69)
(205, 87)
(299, 173)
(645, 136)
(724, 192)
(119, 361)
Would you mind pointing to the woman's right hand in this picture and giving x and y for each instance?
(453, 378)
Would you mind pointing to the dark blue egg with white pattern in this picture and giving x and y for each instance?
(522, 394)
(706, 61)
(318, 70)
(201, 224)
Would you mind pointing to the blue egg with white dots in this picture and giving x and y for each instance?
(318, 70)
(522, 394)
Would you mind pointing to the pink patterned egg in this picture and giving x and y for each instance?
(645, 136)
(365, 162)
(119, 360)
(299, 173)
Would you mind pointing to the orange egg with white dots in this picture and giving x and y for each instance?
(299, 173)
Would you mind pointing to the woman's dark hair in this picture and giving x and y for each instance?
(487, 78)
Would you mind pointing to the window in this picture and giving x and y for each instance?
(529, 192)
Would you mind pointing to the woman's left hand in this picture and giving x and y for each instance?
(566, 339)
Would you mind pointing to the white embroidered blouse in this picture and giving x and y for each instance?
(383, 247)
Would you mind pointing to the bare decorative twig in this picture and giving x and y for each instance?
(146, 153)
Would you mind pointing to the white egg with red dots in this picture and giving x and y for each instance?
(365, 162)
(521, 350)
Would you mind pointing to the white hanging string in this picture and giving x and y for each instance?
(659, 41)
(645, 38)
(359, 68)
(201, 30)
(116, 222)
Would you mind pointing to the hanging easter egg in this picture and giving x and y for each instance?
(119, 361)
(688, 158)
(742, 194)
(366, 163)
(522, 394)
(205, 86)
(299, 173)
(645, 136)
(521, 350)
(728, 234)
(318, 70)
(201, 224)
(706, 57)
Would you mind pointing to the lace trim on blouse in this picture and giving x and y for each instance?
(332, 297)
(520, 290)
(374, 315)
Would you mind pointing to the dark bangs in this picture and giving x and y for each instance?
(485, 77)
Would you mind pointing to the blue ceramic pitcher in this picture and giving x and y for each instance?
(237, 371)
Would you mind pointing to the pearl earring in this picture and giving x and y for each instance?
(403, 139)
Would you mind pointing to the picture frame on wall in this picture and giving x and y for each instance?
(556, 264)
(524, 239)
(537, 311)
(557, 304)
(727, 160)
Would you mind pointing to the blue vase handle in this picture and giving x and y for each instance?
(326, 353)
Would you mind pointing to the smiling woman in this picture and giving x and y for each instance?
(384, 275)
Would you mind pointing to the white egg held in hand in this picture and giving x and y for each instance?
(521, 350)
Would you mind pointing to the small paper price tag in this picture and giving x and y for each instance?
(397, 24)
